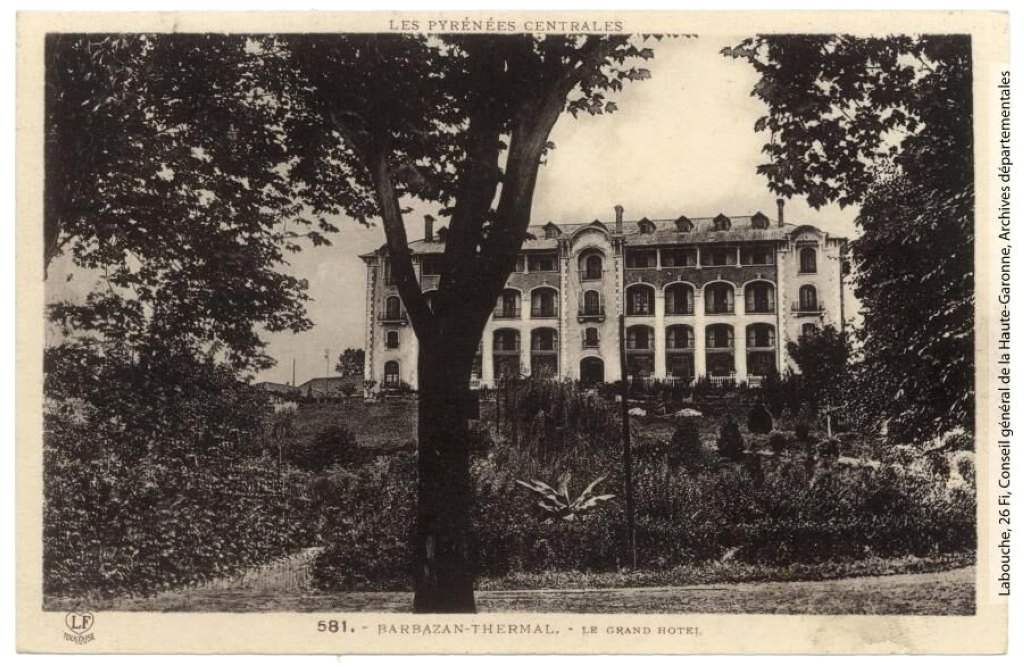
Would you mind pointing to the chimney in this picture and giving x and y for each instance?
(428, 227)
(618, 218)
(781, 203)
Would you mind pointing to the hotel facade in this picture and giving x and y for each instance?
(703, 297)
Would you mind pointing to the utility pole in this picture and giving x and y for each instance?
(627, 451)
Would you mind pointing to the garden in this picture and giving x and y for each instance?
(731, 484)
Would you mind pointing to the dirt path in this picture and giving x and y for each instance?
(933, 593)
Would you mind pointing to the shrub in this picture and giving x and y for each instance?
(685, 447)
(777, 443)
(334, 445)
(773, 393)
(759, 420)
(113, 527)
(802, 431)
(730, 440)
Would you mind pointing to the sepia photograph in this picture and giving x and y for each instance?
(520, 316)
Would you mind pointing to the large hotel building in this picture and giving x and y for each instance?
(702, 297)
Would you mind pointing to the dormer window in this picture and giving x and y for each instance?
(683, 224)
(551, 231)
(722, 223)
(759, 221)
(645, 226)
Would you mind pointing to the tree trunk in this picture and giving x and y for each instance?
(443, 540)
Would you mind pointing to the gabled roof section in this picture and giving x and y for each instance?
(645, 226)
(759, 221)
(684, 224)
(552, 231)
(722, 223)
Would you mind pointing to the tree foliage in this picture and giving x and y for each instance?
(164, 175)
(886, 123)
(351, 362)
(823, 358)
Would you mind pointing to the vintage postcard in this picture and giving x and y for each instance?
(540, 333)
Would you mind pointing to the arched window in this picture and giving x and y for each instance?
(544, 302)
(591, 266)
(718, 298)
(639, 300)
(506, 353)
(391, 375)
(506, 340)
(392, 308)
(545, 340)
(679, 300)
(760, 297)
(590, 337)
(391, 340)
(639, 338)
(760, 335)
(719, 336)
(679, 337)
(808, 298)
(592, 302)
(544, 353)
(508, 305)
(808, 260)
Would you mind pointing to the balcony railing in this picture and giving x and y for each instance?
(543, 311)
(500, 349)
(591, 314)
(760, 308)
(507, 314)
(591, 275)
(638, 347)
(591, 343)
(808, 308)
(679, 310)
(394, 318)
(716, 308)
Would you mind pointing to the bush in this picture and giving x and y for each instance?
(685, 447)
(730, 440)
(777, 443)
(113, 527)
(773, 393)
(802, 431)
(368, 527)
(332, 446)
(759, 420)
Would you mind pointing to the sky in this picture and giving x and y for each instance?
(681, 143)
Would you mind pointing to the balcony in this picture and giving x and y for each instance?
(592, 314)
(718, 308)
(815, 309)
(393, 318)
(760, 307)
(507, 314)
(542, 312)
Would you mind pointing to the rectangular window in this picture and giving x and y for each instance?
(758, 256)
(678, 257)
(719, 256)
(432, 265)
(545, 262)
(641, 259)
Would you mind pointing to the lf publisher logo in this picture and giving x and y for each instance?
(79, 623)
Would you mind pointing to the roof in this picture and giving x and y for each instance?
(663, 232)
(276, 387)
(334, 380)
